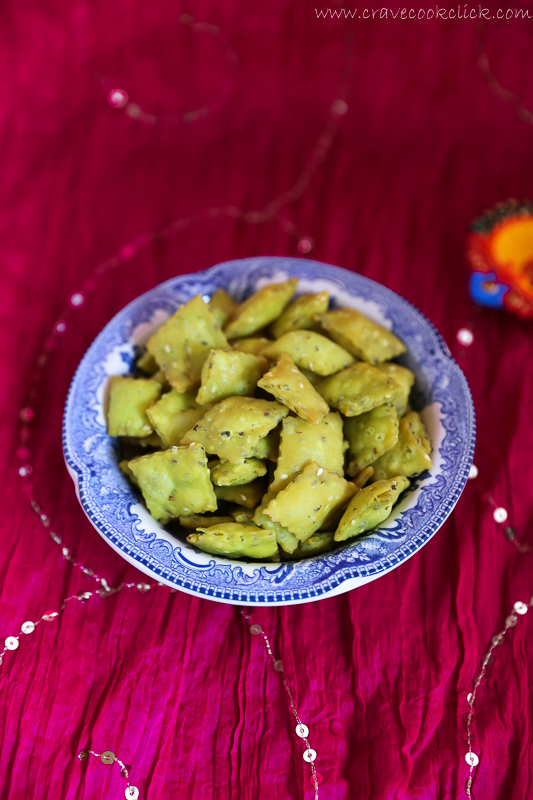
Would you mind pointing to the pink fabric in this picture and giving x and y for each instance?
(174, 685)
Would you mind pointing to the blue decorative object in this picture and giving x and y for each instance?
(441, 394)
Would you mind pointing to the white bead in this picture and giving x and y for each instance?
(465, 336)
(471, 759)
(131, 793)
(469, 698)
(206, 298)
(27, 627)
(520, 607)
(302, 731)
(500, 514)
(77, 299)
(474, 472)
(309, 755)
(11, 643)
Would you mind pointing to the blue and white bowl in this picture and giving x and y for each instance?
(441, 394)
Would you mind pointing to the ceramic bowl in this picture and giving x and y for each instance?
(441, 394)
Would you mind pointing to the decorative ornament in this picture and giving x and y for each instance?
(500, 251)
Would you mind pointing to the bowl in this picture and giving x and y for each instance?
(441, 394)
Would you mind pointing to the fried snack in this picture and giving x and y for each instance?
(124, 468)
(173, 415)
(252, 345)
(233, 428)
(161, 378)
(302, 442)
(300, 314)
(357, 389)
(128, 400)
(410, 455)
(248, 494)
(404, 378)
(312, 377)
(175, 482)
(317, 544)
(286, 540)
(311, 351)
(370, 435)
(360, 336)
(235, 540)
(285, 381)
(182, 343)
(363, 477)
(369, 507)
(310, 501)
(194, 521)
(147, 363)
(268, 446)
(229, 373)
(242, 514)
(261, 309)
(223, 306)
(224, 473)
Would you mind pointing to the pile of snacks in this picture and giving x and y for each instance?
(271, 429)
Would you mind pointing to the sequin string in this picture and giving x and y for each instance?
(119, 98)
(493, 83)
(108, 757)
(302, 731)
(471, 758)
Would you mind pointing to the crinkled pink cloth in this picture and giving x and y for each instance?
(174, 685)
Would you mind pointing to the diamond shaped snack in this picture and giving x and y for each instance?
(268, 446)
(318, 543)
(261, 309)
(310, 500)
(234, 540)
(248, 494)
(285, 381)
(147, 363)
(369, 507)
(254, 345)
(300, 314)
(224, 473)
(233, 428)
(404, 378)
(370, 435)
(182, 343)
(223, 306)
(128, 400)
(302, 442)
(229, 373)
(357, 389)
(410, 455)
(360, 336)
(286, 540)
(311, 351)
(175, 482)
(194, 521)
(173, 415)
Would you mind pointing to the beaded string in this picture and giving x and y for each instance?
(493, 83)
(108, 757)
(119, 98)
(301, 730)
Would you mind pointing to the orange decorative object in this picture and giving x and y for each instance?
(500, 251)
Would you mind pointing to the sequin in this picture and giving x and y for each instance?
(108, 757)
(471, 759)
(465, 337)
(473, 473)
(50, 615)
(124, 772)
(27, 627)
(83, 756)
(302, 731)
(511, 621)
(500, 514)
(84, 596)
(27, 414)
(131, 793)
(469, 698)
(319, 779)
(339, 108)
(66, 552)
(497, 640)
(87, 572)
(278, 666)
(117, 98)
(143, 587)
(25, 471)
(133, 110)
(520, 608)
(309, 755)
(11, 643)
(256, 629)
(77, 299)
(305, 245)
(509, 533)
(60, 327)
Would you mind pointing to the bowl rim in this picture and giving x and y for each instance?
(342, 582)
